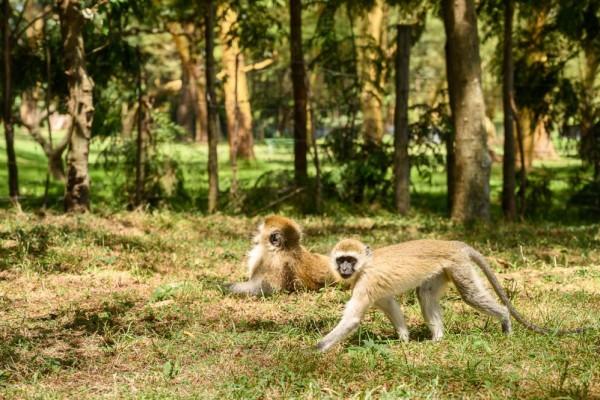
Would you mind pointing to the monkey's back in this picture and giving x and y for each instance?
(404, 266)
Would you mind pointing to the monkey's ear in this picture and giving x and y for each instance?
(368, 251)
(276, 239)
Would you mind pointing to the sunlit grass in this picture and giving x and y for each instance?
(131, 306)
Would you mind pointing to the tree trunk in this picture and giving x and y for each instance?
(32, 120)
(371, 98)
(236, 87)
(211, 101)
(80, 105)
(139, 162)
(450, 154)
(7, 101)
(401, 160)
(191, 110)
(472, 167)
(589, 148)
(299, 88)
(509, 203)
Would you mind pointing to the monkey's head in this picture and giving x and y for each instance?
(349, 256)
(279, 233)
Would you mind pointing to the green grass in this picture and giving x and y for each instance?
(131, 306)
(428, 195)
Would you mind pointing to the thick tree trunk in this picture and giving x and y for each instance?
(7, 101)
(401, 160)
(537, 142)
(590, 148)
(80, 106)
(192, 109)
(211, 101)
(299, 88)
(371, 98)
(235, 87)
(509, 203)
(450, 154)
(472, 166)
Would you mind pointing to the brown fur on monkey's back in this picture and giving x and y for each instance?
(404, 266)
(314, 273)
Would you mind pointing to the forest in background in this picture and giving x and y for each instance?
(355, 102)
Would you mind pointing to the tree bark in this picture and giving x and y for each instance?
(299, 88)
(371, 98)
(235, 87)
(589, 148)
(80, 106)
(32, 119)
(450, 154)
(509, 203)
(401, 160)
(211, 101)
(191, 110)
(139, 162)
(7, 101)
(472, 167)
(522, 169)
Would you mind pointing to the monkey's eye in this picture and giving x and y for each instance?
(276, 239)
(346, 259)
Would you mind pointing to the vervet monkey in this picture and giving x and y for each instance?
(278, 261)
(427, 265)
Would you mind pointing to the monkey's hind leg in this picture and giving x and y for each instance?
(392, 310)
(353, 313)
(474, 293)
(429, 294)
(253, 287)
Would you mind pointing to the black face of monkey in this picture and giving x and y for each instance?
(345, 265)
(276, 239)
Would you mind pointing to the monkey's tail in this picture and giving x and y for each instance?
(487, 270)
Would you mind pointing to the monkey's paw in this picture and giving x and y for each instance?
(322, 347)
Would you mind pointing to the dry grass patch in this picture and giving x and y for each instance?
(131, 306)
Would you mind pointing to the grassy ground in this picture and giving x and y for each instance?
(130, 306)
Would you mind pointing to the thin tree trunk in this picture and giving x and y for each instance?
(371, 98)
(299, 88)
(7, 99)
(48, 96)
(211, 101)
(523, 169)
(509, 206)
(401, 160)
(315, 148)
(80, 106)
(236, 87)
(472, 166)
(139, 162)
(450, 153)
(233, 139)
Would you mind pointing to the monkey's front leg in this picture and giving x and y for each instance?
(353, 313)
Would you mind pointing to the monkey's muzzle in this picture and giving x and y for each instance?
(345, 266)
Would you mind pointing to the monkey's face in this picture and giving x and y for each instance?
(276, 239)
(346, 265)
(349, 256)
